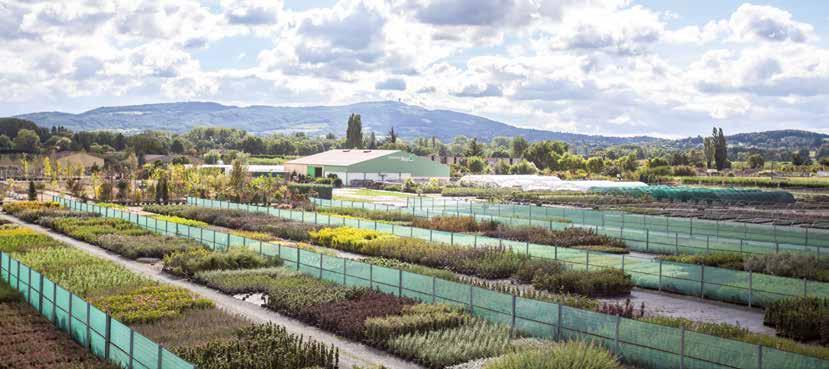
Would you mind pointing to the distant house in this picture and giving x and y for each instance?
(367, 165)
(78, 159)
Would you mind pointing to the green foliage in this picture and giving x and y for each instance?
(32, 191)
(81, 273)
(386, 216)
(445, 347)
(243, 280)
(603, 283)
(146, 246)
(148, 304)
(413, 319)
(188, 263)
(738, 333)
(569, 237)
(455, 224)
(800, 318)
(346, 318)
(182, 221)
(411, 268)
(716, 259)
(8, 294)
(788, 264)
(311, 189)
(263, 347)
(295, 294)
(564, 355)
(14, 239)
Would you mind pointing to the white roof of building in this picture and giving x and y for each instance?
(341, 157)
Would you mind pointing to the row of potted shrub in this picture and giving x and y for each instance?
(484, 262)
(784, 264)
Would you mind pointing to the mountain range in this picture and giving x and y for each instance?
(408, 121)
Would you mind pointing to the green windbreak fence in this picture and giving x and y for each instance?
(753, 289)
(685, 193)
(656, 234)
(105, 337)
(639, 343)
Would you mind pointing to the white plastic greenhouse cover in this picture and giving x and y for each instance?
(539, 183)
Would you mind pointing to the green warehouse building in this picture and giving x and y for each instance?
(368, 165)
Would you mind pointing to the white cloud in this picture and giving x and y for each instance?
(767, 23)
(395, 84)
(602, 66)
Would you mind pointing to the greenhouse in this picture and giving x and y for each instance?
(682, 193)
(540, 183)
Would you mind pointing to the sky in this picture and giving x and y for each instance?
(613, 67)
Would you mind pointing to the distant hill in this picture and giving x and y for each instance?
(408, 121)
(786, 139)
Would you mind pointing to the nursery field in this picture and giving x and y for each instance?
(523, 316)
(134, 322)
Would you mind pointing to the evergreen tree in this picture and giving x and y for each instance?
(372, 141)
(709, 150)
(392, 138)
(32, 191)
(474, 148)
(354, 132)
(720, 149)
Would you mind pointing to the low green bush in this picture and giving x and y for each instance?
(146, 246)
(8, 294)
(149, 304)
(188, 263)
(243, 280)
(736, 332)
(379, 215)
(800, 318)
(413, 319)
(18, 206)
(569, 237)
(603, 283)
(445, 347)
(294, 295)
(180, 220)
(728, 260)
(411, 268)
(262, 347)
(455, 224)
(239, 220)
(311, 189)
(14, 239)
(564, 355)
(80, 272)
(347, 317)
(787, 264)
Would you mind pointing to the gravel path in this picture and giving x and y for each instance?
(351, 353)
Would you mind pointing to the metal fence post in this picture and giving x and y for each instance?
(660, 274)
(434, 295)
(160, 355)
(749, 287)
(297, 258)
(558, 324)
(107, 336)
(132, 334)
(513, 311)
(471, 290)
(400, 283)
(759, 356)
(702, 282)
(618, 323)
(682, 347)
